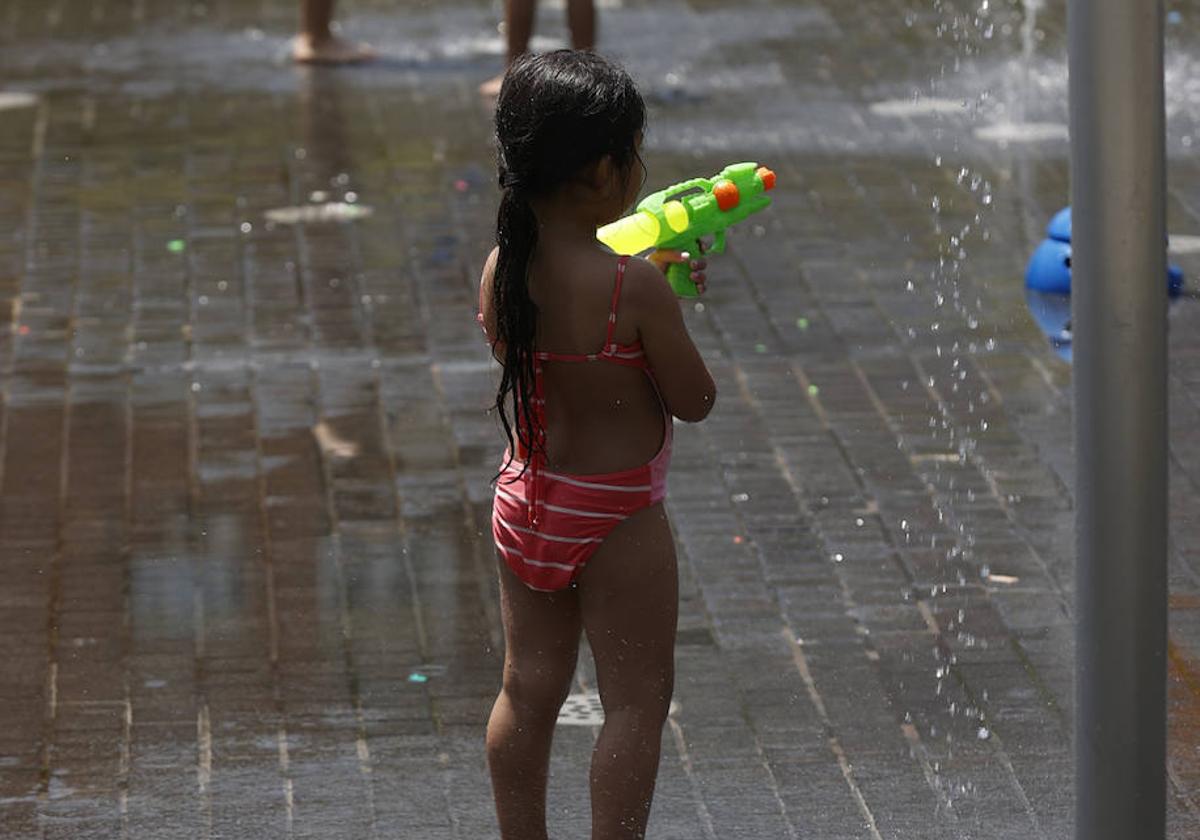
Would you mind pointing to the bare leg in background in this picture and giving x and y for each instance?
(519, 16)
(316, 43)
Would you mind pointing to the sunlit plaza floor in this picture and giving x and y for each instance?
(246, 582)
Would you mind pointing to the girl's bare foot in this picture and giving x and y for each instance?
(491, 88)
(331, 50)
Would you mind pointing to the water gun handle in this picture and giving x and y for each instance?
(679, 275)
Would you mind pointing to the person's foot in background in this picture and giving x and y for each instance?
(316, 43)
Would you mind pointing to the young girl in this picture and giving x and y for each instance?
(596, 361)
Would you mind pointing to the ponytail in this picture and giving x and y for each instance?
(516, 320)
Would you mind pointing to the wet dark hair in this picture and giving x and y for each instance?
(557, 113)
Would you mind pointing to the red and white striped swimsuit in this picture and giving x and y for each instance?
(546, 524)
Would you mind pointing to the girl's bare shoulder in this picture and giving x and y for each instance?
(646, 292)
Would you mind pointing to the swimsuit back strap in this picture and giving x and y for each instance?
(609, 346)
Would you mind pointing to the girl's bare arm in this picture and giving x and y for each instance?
(686, 386)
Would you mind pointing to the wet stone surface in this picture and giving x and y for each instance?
(246, 589)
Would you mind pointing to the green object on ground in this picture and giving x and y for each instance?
(176, 246)
(679, 216)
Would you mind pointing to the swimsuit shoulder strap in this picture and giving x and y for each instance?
(612, 312)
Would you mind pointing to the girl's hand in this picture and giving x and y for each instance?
(662, 259)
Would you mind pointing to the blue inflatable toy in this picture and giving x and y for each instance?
(1052, 313)
(1050, 266)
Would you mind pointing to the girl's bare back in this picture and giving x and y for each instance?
(599, 417)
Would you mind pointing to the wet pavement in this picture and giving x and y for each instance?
(246, 589)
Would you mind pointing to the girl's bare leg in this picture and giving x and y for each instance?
(541, 634)
(629, 595)
(581, 20)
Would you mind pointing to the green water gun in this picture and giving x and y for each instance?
(677, 217)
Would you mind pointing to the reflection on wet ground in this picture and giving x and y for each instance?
(245, 580)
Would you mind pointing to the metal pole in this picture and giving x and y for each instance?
(1119, 323)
